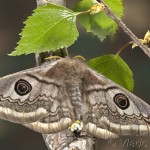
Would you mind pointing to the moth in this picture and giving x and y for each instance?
(49, 98)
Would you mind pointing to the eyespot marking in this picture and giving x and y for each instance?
(22, 87)
(121, 101)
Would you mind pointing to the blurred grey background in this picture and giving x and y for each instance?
(12, 15)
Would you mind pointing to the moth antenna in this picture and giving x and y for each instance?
(52, 57)
(79, 57)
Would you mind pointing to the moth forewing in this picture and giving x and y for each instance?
(49, 98)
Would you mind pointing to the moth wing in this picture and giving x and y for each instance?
(113, 111)
(42, 100)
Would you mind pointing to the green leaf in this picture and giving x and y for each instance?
(50, 28)
(114, 68)
(99, 24)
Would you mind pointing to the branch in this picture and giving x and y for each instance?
(126, 29)
(58, 2)
(65, 139)
(40, 57)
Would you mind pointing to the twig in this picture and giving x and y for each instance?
(65, 139)
(126, 29)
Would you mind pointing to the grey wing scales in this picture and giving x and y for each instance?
(114, 111)
(28, 97)
(60, 115)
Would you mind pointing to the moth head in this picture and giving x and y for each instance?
(22, 87)
(121, 101)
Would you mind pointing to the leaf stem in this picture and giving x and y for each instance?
(83, 12)
(123, 47)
